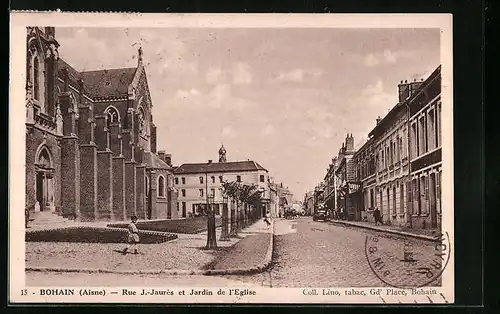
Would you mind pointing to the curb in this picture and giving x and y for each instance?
(396, 232)
(171, 272)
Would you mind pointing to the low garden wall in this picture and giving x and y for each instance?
(186, 226)
(95, 235)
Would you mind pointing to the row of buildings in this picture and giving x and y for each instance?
(91, 147)
(398, 169)
(199, 183)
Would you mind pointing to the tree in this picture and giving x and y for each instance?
(232, 190)
(249, 196)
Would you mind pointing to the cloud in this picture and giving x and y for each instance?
(389, 56)
(228, 131)
(71, 51)
(319, 114)
(213, 74)
(311, 142)
(371, 60)
(183, 94)
(242, 74)
(296, 75)
(221, 92)
(376, 95)
(385, 57)
(269, 130)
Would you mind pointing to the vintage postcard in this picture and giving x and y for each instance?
(211, 158)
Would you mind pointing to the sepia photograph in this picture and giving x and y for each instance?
(219, 159)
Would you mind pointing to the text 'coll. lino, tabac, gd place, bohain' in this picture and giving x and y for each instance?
(372, 292)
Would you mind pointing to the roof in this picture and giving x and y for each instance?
(101, 83)
(154, 161)
(74, 75)
(106, 83)
(234, 166)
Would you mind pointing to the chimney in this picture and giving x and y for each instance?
(168, 159)
(161, 154)
(210, 161)
(349, 143)
(406, 89)
(378, 120)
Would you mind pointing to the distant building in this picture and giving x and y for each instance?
(308, 203)
(348, 193)
(364, 161)
(196, 181)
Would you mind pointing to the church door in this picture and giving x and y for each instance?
(40, 191)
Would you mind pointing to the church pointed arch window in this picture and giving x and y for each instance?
(43, 159)
(36, 79)
(141, 119)
(161, 186)
(112, 115)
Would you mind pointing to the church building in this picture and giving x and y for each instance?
(91, 150)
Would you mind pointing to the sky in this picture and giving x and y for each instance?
(285, 98)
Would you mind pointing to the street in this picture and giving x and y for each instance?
(320, 254)
(306, 254)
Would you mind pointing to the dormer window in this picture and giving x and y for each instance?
(107, 83)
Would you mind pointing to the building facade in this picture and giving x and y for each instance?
(390, 137)
(425, 153)
(364, 162)
(197, 183)
(90, 140)
(348, 188)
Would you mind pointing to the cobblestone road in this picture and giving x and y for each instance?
(319, 254)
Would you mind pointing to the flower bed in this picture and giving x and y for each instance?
(185, 226)
(95, 235)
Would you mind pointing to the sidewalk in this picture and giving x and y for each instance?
(184, 255)
(249, 253)
(424, 234)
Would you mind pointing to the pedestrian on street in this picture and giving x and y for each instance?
(266, 219)
(133, 236)
(377, 217)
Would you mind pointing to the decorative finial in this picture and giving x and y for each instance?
(139, 51)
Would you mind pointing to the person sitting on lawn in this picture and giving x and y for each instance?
(133, 235)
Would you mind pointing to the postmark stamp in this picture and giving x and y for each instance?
(412, 266)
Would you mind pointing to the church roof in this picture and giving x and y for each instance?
(154, 161)
(106, 83)
(234, 166)
(101, 83)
